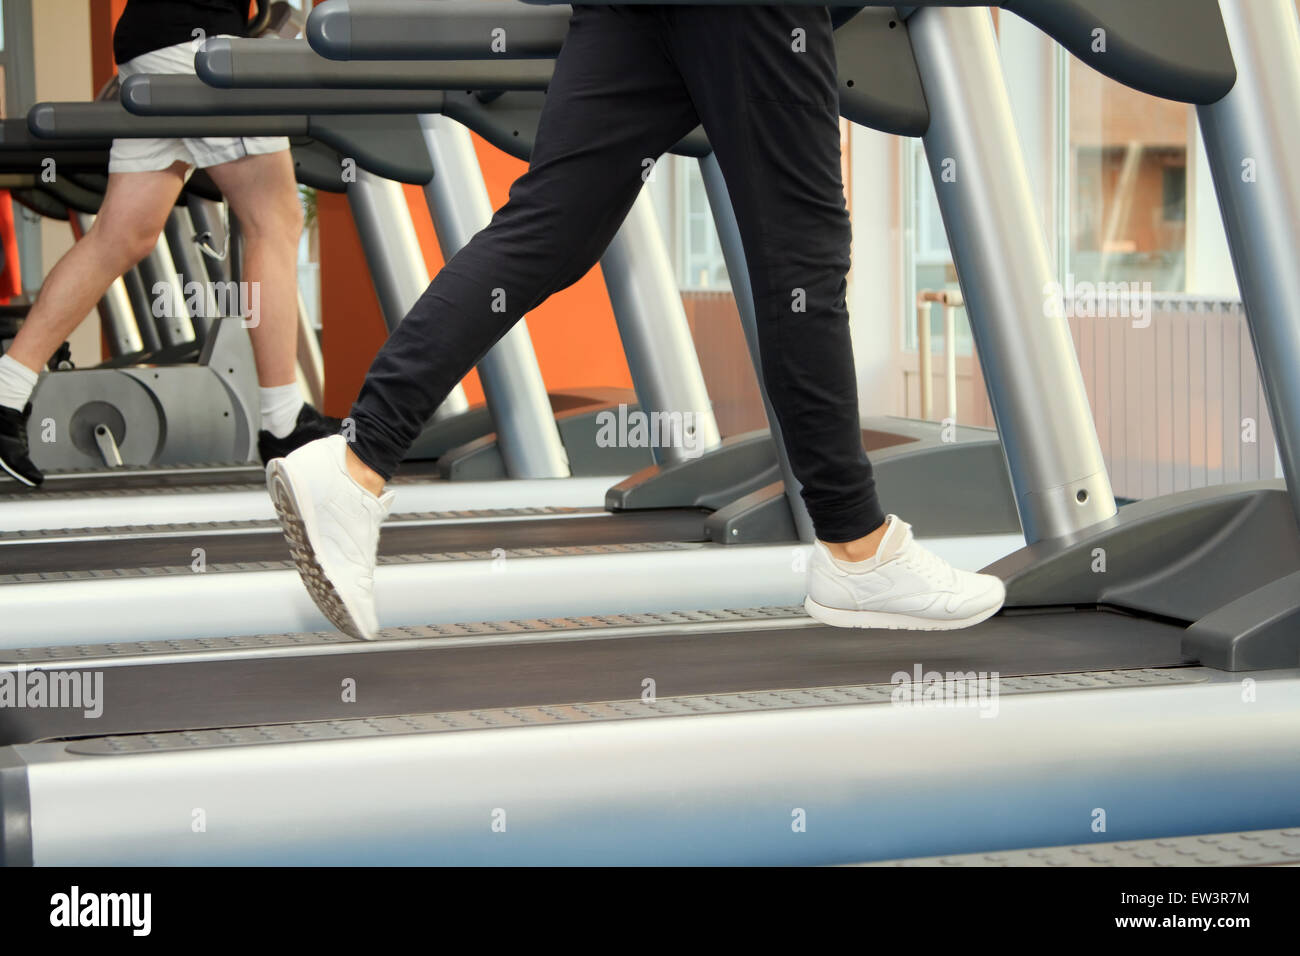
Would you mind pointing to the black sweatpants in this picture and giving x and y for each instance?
(629, 83)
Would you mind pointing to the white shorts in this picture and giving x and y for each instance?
(152, 155)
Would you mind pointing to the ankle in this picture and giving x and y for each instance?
(280, 407)
(17, 381)
(860, 549)
(364, 475)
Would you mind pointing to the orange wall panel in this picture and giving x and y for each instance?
(352, 325)
(573, 332)
(103, 18)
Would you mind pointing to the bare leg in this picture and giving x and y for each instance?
(263, 195)
(134, 212)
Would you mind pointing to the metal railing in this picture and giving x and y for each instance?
(951, 301)
(1175, 390)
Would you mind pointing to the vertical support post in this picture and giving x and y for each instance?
(924, 357)
(527, 433)
(234, 249)
(115, 314)
(166, 298)
(140, 313)
(311, 364)
(1006, 275)
(210, 232)
(656, 334)
(394, 259)
(1252, 140)
(733, 251)
(950, 357)
(191, 268)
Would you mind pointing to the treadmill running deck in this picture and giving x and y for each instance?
(394, 678)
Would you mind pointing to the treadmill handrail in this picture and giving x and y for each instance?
(879, 84)
(231, 63)
(482, 31)
(172, 95)
(1175, 49)
(387, 145)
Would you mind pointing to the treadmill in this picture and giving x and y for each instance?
(670, 521)
(699, 737)
(471, 445)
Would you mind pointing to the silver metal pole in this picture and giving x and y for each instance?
(1252, 140)
(166, 298)
(527, 434)
(925, 360)
(234, 249)
(189, 262)
(733, 252)
(1007, 281)
(656, 334)
(210, 231)
(116, 317)
(311, 364)
(950, 359)
(393, 255)
(145, 325)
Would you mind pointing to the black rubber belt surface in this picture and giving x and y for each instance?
(267, 690)
(45, 556)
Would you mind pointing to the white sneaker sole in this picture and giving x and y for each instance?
(840, 617)
(294, 519)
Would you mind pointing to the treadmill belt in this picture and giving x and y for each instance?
(267, 544)
(156, 697)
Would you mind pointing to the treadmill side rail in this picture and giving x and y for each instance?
(1227, 559)
(15, 811)
(740, 465)
(1259, 630)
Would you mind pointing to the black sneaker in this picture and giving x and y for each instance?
(311, 425)
(14, 460)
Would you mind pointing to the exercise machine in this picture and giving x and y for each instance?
(729, 498)
(399, 279)
(694, 737)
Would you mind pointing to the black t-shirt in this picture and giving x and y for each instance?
(148, 25)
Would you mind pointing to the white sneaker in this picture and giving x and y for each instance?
(903, 586)
(332, 525)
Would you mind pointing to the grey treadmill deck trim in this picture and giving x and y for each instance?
(115, 532)
(11, 494)
(566, 628)
(1252, 848)
(110, 493)
(135, 471)
(414, 558)
(551, 714)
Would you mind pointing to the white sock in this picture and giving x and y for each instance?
(16, 383)
(280, 408)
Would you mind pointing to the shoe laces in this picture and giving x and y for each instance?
(928, 564)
